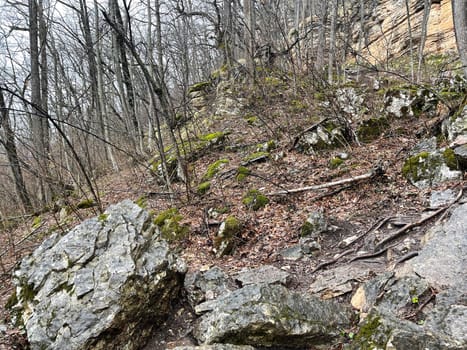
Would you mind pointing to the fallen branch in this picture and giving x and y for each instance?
(407, 227)
(374, 254)
(403, 258)
(332, 261)
(378, 170)
(330, 193)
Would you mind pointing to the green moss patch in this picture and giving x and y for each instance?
(213, 168)
(203, 187)
(224, 241)
(85, 204)
(415, 166)
(169, 225)
(450, 159)
(201, 86)
(256, 156)
(242, 173)
(255, 200)
(335, 162)
(251, 120)
(214, 137)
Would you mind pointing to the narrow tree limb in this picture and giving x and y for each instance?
(403, 258)
(376, 171)
(332, 261)
(374, 254)
(407, 227)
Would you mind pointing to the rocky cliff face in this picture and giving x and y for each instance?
(387, 30)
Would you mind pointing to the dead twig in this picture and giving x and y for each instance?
(411, 225)
(404, 258)
(330, 193)
(374, 254)
(332, 261)
(374, 172)
(422, 306)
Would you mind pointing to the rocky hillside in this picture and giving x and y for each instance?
(314, 216)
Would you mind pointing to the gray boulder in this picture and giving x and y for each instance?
(206, 285)
(263, 274)
(407, 102)
(103, 285)
(328, 134)
(427, 169)
(423, 306)
(461, 156)
(216, 347)
(271, 315)
(456, 125)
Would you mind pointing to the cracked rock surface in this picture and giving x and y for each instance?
(105, 284)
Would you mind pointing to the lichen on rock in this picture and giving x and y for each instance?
(255, 200)
(104, 284)
(224, 241)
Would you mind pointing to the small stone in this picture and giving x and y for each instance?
(309, 245)
(348, 241)
(292, 253)
(264, 274)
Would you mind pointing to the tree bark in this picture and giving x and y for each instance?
(459, 14)
(8, 142)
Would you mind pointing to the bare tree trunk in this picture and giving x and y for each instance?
(319, 64)
(228, 35)
(250, 24)
(36, 122)
(332, 40)
(8, 142)
(459, 14)
(426, 16)
(101, 99)
(126, 76)
(409, 24)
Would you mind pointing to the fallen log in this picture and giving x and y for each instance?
(376, 171)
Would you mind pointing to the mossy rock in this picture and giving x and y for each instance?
(214, 138)
(335, 162)
(370, 129)
(201, 86)
(242, 173)
(224, 241)
(168, 222)
(408, 101)
(214, 168)
(450, 159)
(429, 168)
(203, 187)
(251, 119)
(85, 204)
(267, 146)
(256, 156)
(315, 224)
(416, 166)
(255, 200)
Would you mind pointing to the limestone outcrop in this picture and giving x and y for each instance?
(103, 285)
(387, 30)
